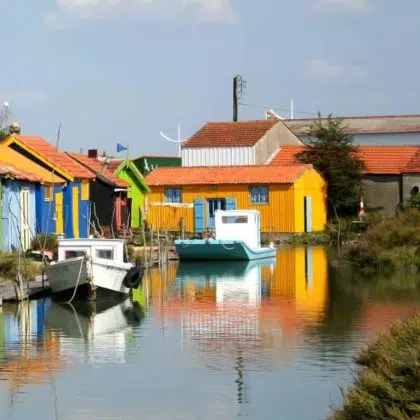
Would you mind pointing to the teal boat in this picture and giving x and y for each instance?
(237, 237)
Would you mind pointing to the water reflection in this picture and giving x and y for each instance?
(209, 340)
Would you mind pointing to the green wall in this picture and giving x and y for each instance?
(138, 188)
(160, 161)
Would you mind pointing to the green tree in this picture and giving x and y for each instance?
(331, 151)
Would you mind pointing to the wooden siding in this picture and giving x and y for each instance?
(313, 185)
(277, 216)
(135, 193)
(283, 213)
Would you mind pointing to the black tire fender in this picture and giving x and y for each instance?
(133, 277)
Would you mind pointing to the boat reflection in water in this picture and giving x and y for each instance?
(103, 325)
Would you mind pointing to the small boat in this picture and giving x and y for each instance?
(237, 237)
(91, 266)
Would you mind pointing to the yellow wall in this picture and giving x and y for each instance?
(277, 216)
(284, 213)
(313, 185)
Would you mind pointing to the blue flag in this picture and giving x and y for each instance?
(121, 148)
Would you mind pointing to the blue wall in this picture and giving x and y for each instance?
(45, 210)
(84, 208)
(11, 213)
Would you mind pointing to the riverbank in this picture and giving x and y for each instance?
(388, 243)
(387, 387)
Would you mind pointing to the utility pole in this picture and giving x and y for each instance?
(239, 86)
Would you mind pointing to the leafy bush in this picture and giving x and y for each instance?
(9, 263)
(368, 259)
(47, 240)
(388, 242)
(388, 387)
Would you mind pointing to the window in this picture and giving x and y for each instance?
(173, 195)
(85, 189)
(48, 192)
(234, 219)
(106, 254)
(74, 254)
(259, 195)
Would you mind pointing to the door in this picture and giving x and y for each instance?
(199, 215)
(308, 214)
(59, 225)
(25, 229)
(213, 205)
(75, 201)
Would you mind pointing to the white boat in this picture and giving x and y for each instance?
(237, 237)
(91, 266)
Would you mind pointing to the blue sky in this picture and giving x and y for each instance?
(121, 70)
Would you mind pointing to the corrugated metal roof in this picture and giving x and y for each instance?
(364, 125)
(226, 175)
(55, 156)
(21, 162)
(97, 168)
(227, 134)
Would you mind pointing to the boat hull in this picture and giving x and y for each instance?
(200, 249)
(96, 275)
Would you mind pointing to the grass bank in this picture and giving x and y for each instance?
(388, 384)
(387, 244)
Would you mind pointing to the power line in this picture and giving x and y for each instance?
(277, 109)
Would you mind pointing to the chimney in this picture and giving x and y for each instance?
(93, 153)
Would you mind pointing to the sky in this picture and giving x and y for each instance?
(123, 70)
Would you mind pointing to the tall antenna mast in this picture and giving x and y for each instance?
(291, 109)
(179, 141)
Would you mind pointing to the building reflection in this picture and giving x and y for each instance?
(38, 339)
(28, 355)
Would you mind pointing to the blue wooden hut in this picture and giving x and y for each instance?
(62, 208)
(17, 208)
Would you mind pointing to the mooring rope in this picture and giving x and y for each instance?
(78, 279)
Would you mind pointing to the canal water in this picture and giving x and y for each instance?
(260, 340)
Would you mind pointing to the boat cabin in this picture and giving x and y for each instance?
(238, 225)
(108, 249)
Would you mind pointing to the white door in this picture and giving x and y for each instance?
(25, 230)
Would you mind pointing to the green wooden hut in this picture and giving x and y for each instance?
(128, 171)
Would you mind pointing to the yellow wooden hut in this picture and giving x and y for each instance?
(291, 199)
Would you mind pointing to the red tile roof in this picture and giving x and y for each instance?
(230, 134)
(112, 165)
(286, 155)
(365, 125)
(380, 160)
(55, 156)
(97, 168)
(217, 175)
(414, 164)
(387, 159)
(10, 171)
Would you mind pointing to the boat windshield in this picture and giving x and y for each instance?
(74, 254)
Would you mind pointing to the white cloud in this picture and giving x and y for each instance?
(357, 5)
(319, 68)
(203, 10)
